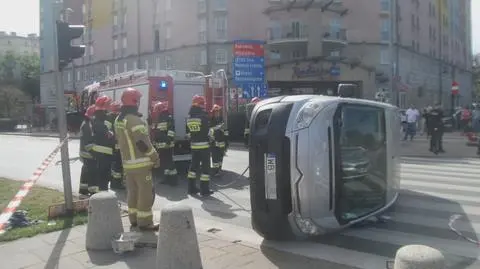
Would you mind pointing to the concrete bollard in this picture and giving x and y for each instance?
(104, 221)
(177, 239)
(419, 257)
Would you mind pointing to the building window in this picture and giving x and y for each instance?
(91, 50)
(220, 4)
(115, 20)
(146, 64)
(385, 30)
(202, 32)
(221, 27)
(124, 42)
(297, 54)
(385, 5)
(157, 62)
(115, 44)
(116, 68)
(168, 32)
(221, 56)
(107, 70)
(385, 56)
(134, 65)
(168, 4)
(168, 62)
(125, 19)
(156, 44)
(202, 6)
(203, 57)
(275, 55)
(79, 75)
(125, 67)
(69, 76)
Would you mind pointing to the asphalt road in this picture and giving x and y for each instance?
(433, 189)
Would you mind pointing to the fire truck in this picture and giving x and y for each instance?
(177, 87)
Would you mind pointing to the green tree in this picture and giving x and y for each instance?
(30, 75)
(8, 65)
(11, 101)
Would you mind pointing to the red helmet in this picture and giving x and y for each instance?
(255, 100)
(131, 97)
(115, 107)
(103, 103)
(160, 107)
(216, 108)
(90, 111)
(198, 100)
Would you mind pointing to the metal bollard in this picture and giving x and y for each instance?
(177, 239)
(104, 221)
(419, 257)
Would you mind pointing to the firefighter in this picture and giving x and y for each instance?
(248, 112)
(138, 159)
(200, 134)
(116, 182)
(163, 132)
(87, 174)
(219, 145)
(103, 142)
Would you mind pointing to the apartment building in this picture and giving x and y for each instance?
(308, 41)
(123, 35)
(20, 45)
(431, 49)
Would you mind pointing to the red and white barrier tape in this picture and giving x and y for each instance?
(25, 189)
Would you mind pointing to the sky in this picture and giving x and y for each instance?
(21, 16)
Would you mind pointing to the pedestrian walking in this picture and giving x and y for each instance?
(412, 115)
(436, 125)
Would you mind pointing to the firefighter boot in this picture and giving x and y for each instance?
(151, 227)
(205, 188)
(192, 187)
(117, 184)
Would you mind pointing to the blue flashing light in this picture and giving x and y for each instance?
(163, 85)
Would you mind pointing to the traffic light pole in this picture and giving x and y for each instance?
(62, 127)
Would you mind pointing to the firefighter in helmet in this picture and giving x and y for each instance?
(138, 159)
(248, 112)
(200, 135)
(86, 144)
(116, 182)
(103, 142)
(163, 132)
(220, 135)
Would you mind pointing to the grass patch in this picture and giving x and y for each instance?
(36, 203)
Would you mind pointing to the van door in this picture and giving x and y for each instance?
(360, 161)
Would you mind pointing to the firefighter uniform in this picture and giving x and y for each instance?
(219, 144)
(163, 132)
(248, 113)
(87, 174)
(200, 135)
(138, 159)
(116, 169)
(103, 142)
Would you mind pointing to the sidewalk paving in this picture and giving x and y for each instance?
(66, 249)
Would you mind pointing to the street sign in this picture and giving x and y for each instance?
(455, 88)
(249, 67)
(254, 90)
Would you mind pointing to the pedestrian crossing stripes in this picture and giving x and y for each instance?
(432, 191)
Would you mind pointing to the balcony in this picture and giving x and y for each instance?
(334, 40)
(288, 35)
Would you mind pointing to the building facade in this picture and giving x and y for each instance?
(20, 45)
(311, 41)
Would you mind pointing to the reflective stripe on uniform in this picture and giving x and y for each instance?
(132, 211)
(226, 133)
(140, 128)
(162, 126)
(192, 175)
(83, 186)
(144, 214)
(117, 146)
(86, 155)
(102, 149)
(88, 147)
(204, 177)
(169, 172)
(161, 145)
(217, 165)
(247, 131)
(199, 145)
(93, 189)
(171, 133)
(137, 163)
(220, 144)
(108, 124)
(116, 175)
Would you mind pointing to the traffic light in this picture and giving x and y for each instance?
(66, 51)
